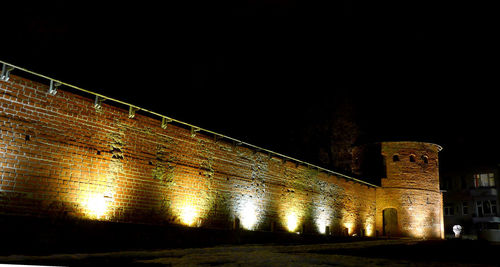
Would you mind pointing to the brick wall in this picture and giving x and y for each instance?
(61, 157)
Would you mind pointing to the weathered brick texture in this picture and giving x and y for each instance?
(62, 157)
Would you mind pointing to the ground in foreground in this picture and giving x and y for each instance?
(397, 252)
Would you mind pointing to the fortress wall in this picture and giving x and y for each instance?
(61, 157)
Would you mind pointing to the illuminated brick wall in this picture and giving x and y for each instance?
(61, 157)
(412, 188)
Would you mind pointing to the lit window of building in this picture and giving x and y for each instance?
(484, 180)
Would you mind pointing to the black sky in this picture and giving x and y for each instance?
(257, 70)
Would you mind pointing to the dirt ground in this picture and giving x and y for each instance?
(397, 252)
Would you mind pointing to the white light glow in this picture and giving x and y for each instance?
(96, 206)
(248, 215)
(369, 226)
(418, 221)
(292, 222)
(349, 227)
(188, 215)
(322, 227)
(369, 230)
(323, 219)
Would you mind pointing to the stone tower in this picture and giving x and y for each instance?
(409, 202)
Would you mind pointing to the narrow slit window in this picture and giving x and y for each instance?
(412, 158)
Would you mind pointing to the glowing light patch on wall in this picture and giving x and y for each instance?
(188, 214)
(369, 230)
(292, 210)
(348, 221)
(291, 214)
(189, 209)
(369, 226)
(248, 215)
(418, 231)
(97, 205)
(321, 224)
(292, 221)
(349, 227)
(323, 219)
(417, 224)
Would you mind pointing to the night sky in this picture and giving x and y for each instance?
(261, 71)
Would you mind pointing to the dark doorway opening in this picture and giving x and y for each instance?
(390, 217)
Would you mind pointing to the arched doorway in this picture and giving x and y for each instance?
(390, 217)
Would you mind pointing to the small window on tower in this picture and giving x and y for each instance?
(425, 159)
(412, 158)
(395, 158)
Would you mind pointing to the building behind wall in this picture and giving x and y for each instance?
(471, 199)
